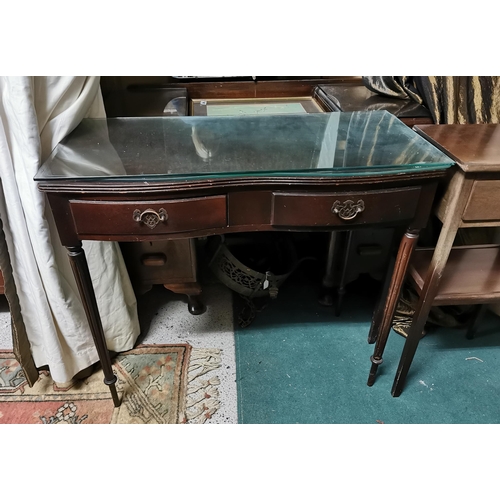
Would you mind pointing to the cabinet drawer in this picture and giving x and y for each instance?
(160, 262)
(148, 218)
(483, 204)
(332, 209)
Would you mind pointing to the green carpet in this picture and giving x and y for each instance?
(298, 363)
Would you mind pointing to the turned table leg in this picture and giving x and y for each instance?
(382, 318)
(84, 282)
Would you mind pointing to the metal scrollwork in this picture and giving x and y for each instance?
(150, 217)
(348, 209)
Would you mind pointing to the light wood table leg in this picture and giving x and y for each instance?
(84, 282)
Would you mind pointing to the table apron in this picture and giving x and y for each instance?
(111, 217)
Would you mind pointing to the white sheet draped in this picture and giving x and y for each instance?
(35, 114)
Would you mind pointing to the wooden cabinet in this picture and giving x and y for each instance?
(170, 263)
(354, 96)
(482, 204)
(471, 275)
(448, 275)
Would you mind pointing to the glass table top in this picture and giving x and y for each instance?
(183, 148)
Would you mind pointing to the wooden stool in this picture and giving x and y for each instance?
(460, 275)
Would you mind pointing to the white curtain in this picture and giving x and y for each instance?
(35, 114)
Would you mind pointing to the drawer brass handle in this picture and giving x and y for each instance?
(150, 217)
(348, 209)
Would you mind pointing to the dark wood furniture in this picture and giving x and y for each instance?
(354, 96)
(350, 253)
(364, 251)
(169, 263)
(449, 275)
(155, 179)
(2, 284)
(148, 96)
(173, 263)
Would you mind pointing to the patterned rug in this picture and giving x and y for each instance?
(160, 384)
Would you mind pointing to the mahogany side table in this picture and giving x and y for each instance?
(150, 179)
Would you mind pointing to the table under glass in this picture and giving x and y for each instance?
(182, 148)
(158, 178)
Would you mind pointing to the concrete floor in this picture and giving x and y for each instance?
(165, 320)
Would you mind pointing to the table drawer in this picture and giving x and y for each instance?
(334, 209)
(484, 203)
(149, 218)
